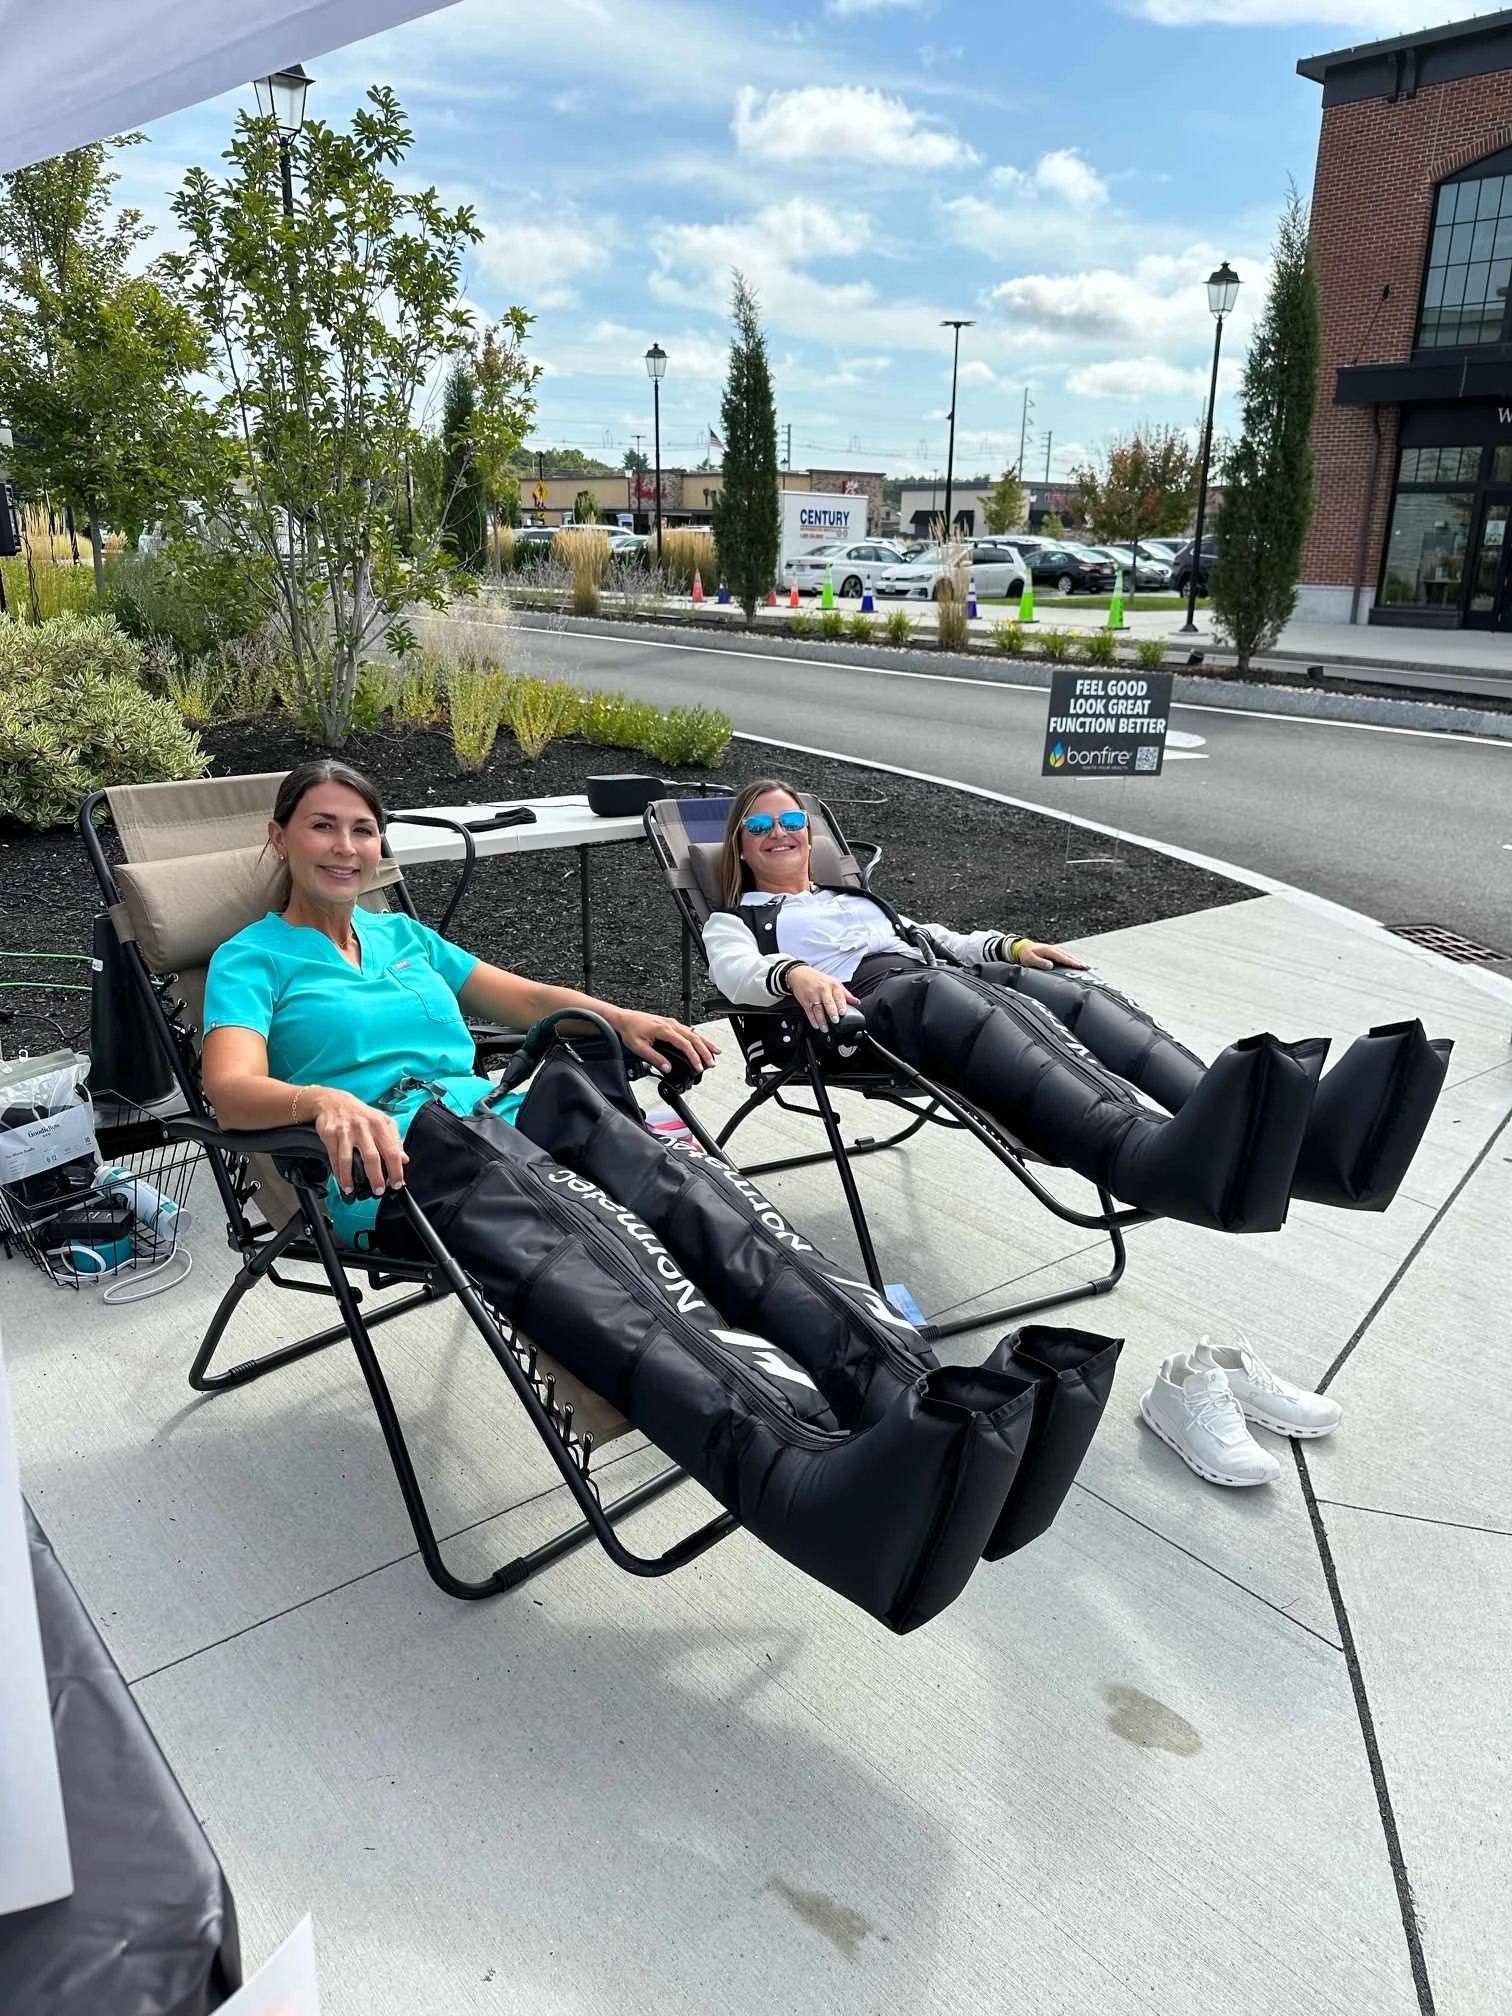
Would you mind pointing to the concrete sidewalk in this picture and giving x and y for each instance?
(1193, 1751)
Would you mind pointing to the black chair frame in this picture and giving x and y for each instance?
(783, 1051)
(306, 1238)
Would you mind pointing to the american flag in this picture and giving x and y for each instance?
(715, 442)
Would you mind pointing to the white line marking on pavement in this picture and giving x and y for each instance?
(1023, 686)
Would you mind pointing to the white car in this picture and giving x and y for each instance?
(848, 568)
(997, 568)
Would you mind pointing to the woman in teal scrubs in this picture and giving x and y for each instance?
(348, 1021)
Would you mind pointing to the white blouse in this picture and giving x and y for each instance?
(826, 929)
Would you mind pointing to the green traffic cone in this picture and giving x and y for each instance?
(1116, 606)
(827, 594)
(1026, 601)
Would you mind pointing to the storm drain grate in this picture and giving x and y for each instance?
(1448, 944)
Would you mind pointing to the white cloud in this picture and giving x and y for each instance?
(1132, 378)
(1377, 17)
(1063, 175)
(975, 372)
(842, 8)
(1157, 299)
(841, 122)
(536, 263)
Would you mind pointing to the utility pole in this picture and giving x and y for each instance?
(787, 460)
(1048, 439)
(957, 326)
(1024, 429)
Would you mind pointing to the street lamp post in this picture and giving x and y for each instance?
(656, 365)
(1222, 291)
(281, 97)
(958, 326)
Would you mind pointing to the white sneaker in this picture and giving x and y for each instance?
(1192, 1409)
(1265, 1397)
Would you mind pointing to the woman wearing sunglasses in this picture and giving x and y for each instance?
(1074, 1070)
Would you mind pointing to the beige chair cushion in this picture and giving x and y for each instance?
(180, 910)
(195, 815)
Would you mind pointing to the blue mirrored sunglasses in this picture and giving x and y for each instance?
(758, 823)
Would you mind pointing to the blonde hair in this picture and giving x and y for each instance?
(734, 876)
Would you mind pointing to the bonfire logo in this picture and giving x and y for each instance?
(1058, 756)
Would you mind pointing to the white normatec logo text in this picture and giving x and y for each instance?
(766, 1214)
(676, 1283)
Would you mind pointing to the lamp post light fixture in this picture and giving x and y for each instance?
(1222, 292)
(656, 367)
(958, 326)
(281, 97)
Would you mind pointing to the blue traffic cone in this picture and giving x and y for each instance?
(868, 606)
(971, 603)
(724, 593)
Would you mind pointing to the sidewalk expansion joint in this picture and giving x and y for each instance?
(1419, 1518)
(1405, 1904)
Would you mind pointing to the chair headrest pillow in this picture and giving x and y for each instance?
(182, 909)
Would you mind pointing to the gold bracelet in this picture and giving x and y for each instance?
(294, 1104)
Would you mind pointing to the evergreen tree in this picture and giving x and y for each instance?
(747, 532)
(1052, 526)
(1268, 476)
(464, 512)
(1007, 503)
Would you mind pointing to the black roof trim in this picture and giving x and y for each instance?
(1318, 67)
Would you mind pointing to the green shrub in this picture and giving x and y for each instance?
(46, 588)
(950, 617)
(61, 738)
(690, 736)
(801, 624)
(421, 696)
(1100, 647)
(897, 627)
(197, 597)
(861, 629)
(477, 694)
(1009, 637)
(831, 624)
(541, 710)
(194, 689)
(1057, 645)
(372, 697)
(69, 647)
(1149, 653)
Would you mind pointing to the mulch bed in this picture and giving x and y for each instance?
(948, 857)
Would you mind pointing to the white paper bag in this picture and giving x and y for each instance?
(283, 1985)
(34, 1864)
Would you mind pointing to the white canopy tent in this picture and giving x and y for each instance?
(75, 73)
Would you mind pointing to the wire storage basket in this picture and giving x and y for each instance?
(110, 1204)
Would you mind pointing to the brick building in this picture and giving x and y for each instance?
(1412, 235)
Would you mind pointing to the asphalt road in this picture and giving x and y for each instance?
(1404, 827)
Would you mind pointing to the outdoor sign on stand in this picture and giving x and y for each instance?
(1105, 724)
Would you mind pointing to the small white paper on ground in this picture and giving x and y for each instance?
(285, 1984)
(34, 1862)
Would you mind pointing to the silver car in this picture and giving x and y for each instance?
(997, 568)
(847, 567)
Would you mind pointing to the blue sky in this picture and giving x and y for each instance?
(1067, 175)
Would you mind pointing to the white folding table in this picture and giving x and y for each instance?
(558, 822)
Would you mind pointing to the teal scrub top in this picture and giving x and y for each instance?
(391, 1033)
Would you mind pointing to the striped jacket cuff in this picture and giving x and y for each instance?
(776, 975)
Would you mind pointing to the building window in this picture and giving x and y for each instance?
(1469, 263)
(1425, 551)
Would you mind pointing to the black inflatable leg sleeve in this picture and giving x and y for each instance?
(1073, 1374)
(1369, 1116)
(1115, 1029)
(1225, 1161)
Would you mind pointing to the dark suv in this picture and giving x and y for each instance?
(1181, 567)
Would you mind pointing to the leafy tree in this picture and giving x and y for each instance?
(505, 381)
(1051, 526)
(1144, 484)
(636, 463)
(1268, 476)
(1007, 504)
(746, 526)
(95, 359)
(559, 462)
(585, 509)
(464, 512)
(326, 326)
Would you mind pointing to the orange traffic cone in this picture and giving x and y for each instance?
(793, 602)
(771, 598)
(698, 593)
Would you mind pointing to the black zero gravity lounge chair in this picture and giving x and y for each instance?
(1227, 1145)
(809, 1409)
